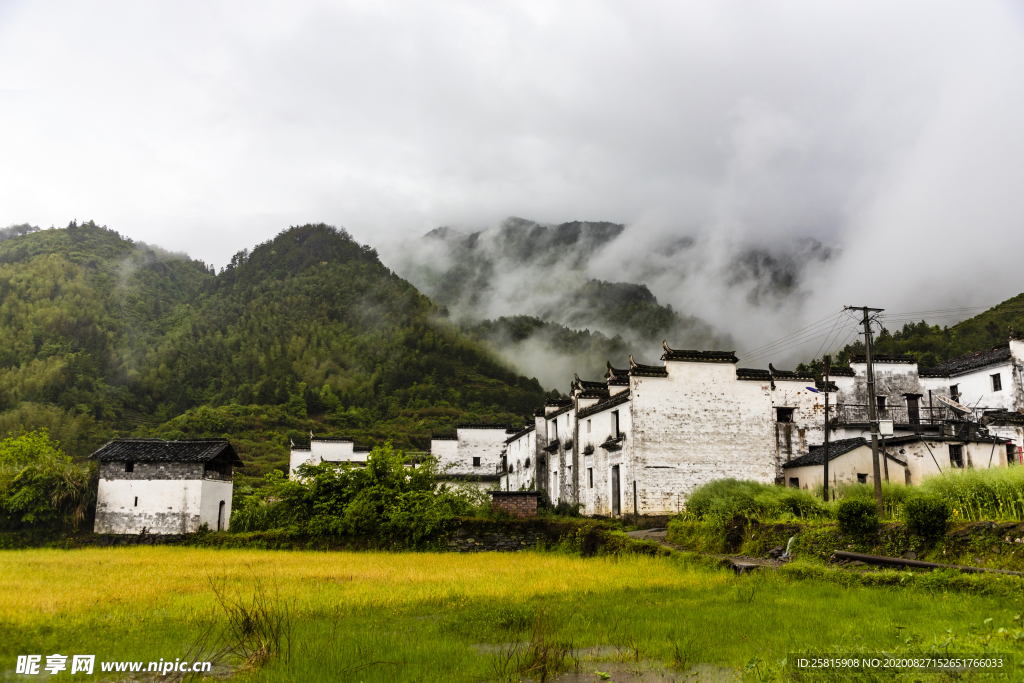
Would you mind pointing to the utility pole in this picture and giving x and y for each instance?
(824, 490)
(872, 415)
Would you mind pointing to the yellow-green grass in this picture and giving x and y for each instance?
(421, 615)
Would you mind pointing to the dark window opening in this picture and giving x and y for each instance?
(954, 392)
(129, 467)
(554, 426)
(527, 463)
(784, 414)
(136, 501)
(913, 410)
(1011, 454)
(794, 483)
(588, 426)
(997, 382)
(590, 477)
(616, 495)
(220, 516)
(476, 462)
(615, 423)
(862, 478)
(880, 400)
(956, 456)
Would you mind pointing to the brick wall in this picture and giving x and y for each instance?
(516, 503)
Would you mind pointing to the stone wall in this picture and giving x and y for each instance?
(115, 469)
(501, 539)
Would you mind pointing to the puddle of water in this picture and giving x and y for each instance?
(595, 661)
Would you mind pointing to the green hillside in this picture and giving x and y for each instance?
(932, 345)
(307, 332)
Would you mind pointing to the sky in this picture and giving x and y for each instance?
(888, 131)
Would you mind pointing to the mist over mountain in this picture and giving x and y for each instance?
(627, 287)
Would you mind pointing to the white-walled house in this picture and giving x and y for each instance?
(641, 441)
(326, 449)
(164, 487)
(474, 454)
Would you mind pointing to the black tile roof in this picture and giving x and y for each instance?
(753, 374)
(616, 400)
(885, 358)
(159, 450)
(698, 356)
(932, 372)
(789, 375)
(594, 393)
(1002, 417)
(444, 437)
(521, 433)
(819, 384)
(615, 373)
(841, 371)
(578, 383)
(835, 449)
(618, 381)
(330, 439)
(483, 425)
(560, 411)
(972, 361)
(637, 370)
(557, 402)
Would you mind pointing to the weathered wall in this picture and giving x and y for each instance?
(144, 471)
(892, 380)
(522, 462)
(447, 453)
(486, 444)
(299, 456)
(844, 470)
(808, 427)
(213, 493)
(597, 499)
(698, 424)
(165, 506)
(922, 464)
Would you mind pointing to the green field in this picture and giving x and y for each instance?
(450, 617)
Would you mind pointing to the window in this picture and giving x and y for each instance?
(588, 426)
(784, 414)
(1011, 454)
(476, 462)
(881, 402)
(615, 423)
(136, 501)
(554, 426)
(527, 463)
(956, 456)
(954, 392)
(794, 483)
(129, 467)
(862, 478)
(997, 382)
(590, 477)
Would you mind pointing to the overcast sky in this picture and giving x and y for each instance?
(893, 130)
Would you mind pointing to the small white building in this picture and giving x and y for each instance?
(326, 449)
(474, 454)
(908, 459)
(164, 487)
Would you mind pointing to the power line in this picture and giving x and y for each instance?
(823, 321)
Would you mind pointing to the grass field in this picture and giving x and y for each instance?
(450, 617)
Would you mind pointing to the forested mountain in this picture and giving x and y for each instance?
(932, 345)
(307, 332)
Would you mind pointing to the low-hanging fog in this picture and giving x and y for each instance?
(771, 162)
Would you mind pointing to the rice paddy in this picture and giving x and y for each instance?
(451, 617)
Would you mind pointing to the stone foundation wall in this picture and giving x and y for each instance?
(469, 541)
(516, 503)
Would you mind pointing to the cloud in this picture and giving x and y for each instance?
(891, 131)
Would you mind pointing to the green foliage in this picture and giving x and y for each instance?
(857, 516)
(40, 486)
(399, 505)
(725, 498)
(972, 494)
(926, 516)
(101, 336)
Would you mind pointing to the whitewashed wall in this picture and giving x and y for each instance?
(844, 470)
(597, 499)
(522, 460)
(928, 457)
(167, 506)
(697, 425)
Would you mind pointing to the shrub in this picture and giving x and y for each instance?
(857, 516)
(926, 516)
(726, 498)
